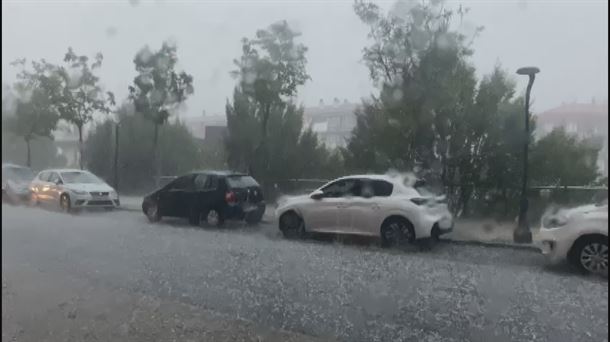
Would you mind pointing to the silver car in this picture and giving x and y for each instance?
(71, 189)
(15, 183)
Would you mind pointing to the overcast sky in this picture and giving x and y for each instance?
(568, 40)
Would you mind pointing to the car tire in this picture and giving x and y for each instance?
(396, 231)
(64, 203)
(152, 213)
(590, 255)
(211, 218)
(291, 225)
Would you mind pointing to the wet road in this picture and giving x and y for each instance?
(327, 290)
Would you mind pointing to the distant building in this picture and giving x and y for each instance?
(333, 123)
(586, 120)
(210, 129)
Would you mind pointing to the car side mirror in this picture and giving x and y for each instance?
(316, 195)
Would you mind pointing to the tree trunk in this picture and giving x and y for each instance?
(80, 146)
(260, 151)
(29, 153)
(156, 160)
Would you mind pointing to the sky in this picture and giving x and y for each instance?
(567, 40)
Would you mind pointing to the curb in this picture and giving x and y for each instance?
(528, 247)
(128, 209)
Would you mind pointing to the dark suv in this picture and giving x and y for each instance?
(207, 197)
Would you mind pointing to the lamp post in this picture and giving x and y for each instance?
(523, 234)
(117, 123)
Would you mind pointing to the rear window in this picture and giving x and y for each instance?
(382, 188)
(241, 181)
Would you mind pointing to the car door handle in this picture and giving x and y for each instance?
(342, 206)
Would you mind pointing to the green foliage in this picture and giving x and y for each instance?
(265, 127)
(179, 151)
(158, 88)
(270, 70)
(32, 112)
(432, 115)
(562, 159)
(82, 95)
(44, 153)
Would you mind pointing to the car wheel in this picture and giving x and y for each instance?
(211, 218)
(64, 203)
(591, 255)
(396, 231)
(152, 213)
(291, 225)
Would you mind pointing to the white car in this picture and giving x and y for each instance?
(72, 189)
(373, 205)
(578, 235)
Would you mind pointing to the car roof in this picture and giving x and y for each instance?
(14, 165)
(64, 170)
(219, 173)
(370, 176)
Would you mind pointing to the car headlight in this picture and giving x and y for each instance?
(79, 192)
(114, 194)
(554, 221)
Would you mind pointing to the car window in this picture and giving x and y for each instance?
(342, 188)
(200, 181)
(82, 177)
(212, 183)
(53, 177)
(44, 176)
(239, 181)
(377, 188)
(182, 183)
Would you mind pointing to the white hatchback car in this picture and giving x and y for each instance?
(373, 205)
(72, 189)
(579, 235)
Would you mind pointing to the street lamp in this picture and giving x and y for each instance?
(117, 123)
(523, 234)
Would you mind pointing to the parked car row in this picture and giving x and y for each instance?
(67, 189)
(369, 205)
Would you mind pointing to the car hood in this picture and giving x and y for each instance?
(18, 186)
(288, 200)
(89, 187)
(584, 209)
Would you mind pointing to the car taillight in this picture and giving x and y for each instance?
(230, 198)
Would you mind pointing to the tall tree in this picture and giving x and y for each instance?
(33, 113)
(181, 152)
(158, 90)
(563, 159)
(82, 93)
(270, 70)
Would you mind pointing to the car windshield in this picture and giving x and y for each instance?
(77, 177)
(237, 182)
(18, 174)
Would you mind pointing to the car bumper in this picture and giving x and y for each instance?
(23, 197)
(552, 245)
(239, 212)
(89, 202)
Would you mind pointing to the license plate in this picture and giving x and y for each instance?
(250, 208)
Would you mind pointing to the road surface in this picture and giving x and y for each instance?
(113, 276)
